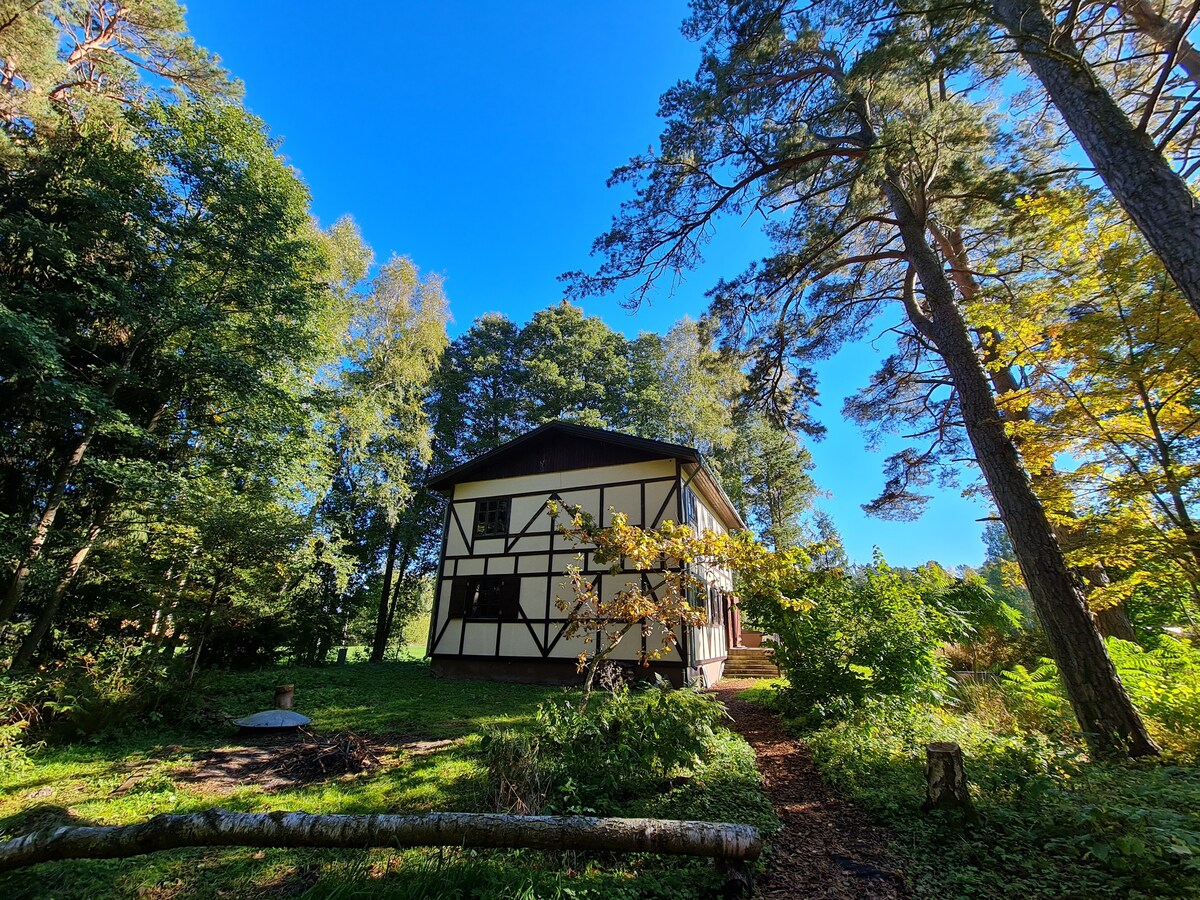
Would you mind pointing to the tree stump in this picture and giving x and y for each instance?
(737, 879)
(946, 780)
(283, 696)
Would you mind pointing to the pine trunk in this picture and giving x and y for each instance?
(1139, 176)
(1113, 621)
(1101, 704)
(219, 828)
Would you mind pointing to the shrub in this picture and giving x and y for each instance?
(622, 746)
(1164, 682)
(867, 636)
(94, 691)
(1035, 698)
(13, 752)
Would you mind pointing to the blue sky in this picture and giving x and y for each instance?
(476, 138)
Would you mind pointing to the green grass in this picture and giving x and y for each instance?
(1052, 823)
(75, 784)
(764, 691)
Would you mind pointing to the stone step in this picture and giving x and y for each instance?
(750, 662)
(741, 667)
(742, 664)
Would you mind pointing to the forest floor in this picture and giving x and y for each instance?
(826, 847)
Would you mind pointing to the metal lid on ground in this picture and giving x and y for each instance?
(273, 718)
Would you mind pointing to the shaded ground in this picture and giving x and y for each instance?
(276, 762)
(826, 848)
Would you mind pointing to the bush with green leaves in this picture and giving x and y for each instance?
(623, 745)
(1036, 700)
(90, 691)
(1164, 682)
(876, 633)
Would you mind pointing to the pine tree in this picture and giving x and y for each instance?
(854, 164)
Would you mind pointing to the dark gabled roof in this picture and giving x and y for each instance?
(563, 446)
(521, 451)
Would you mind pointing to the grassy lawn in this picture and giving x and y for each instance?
(143, 772)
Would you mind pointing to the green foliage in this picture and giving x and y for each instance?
(14, 754)
(876, 633)
(1164, 682)
(723, 786)
(1051, 824)
(79, 62)
(589, 760)
(574, 367)
(1036, 699)
(163, 415)
(766, 474)
(101, 689)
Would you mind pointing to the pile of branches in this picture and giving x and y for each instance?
(314, 757)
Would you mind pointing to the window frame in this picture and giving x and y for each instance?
(504, 604)
(491, 514)
(691, 512)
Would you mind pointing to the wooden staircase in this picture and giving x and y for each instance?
(750, 662)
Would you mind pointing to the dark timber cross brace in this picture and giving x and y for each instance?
(733, 846)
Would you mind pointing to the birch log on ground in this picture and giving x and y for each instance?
(221, 828)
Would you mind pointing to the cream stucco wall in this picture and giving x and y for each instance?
(646, 492)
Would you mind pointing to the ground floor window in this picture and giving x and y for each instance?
(485, 597)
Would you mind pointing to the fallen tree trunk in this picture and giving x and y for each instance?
(220, 828)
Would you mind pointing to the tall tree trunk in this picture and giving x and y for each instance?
(1139, 176)
(41, 531)
(1100, 702)
(204, 628)
(1115, 619)
(401, 569)
(379, 644)
(29, 647)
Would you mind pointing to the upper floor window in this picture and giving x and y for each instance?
(491, 517)
(689, 507)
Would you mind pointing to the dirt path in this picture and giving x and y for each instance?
(826, 848)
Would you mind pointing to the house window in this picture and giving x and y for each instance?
(491, 517)
(485, 597)
(689, 507)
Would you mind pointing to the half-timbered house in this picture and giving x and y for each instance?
(502, 565)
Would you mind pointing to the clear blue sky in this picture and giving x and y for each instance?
(476, 139)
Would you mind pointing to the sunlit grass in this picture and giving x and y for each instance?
(87, 783)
